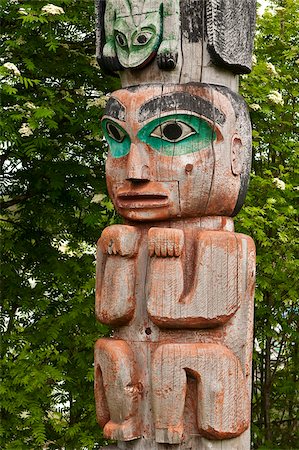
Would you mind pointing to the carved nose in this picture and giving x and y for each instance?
(138, 164)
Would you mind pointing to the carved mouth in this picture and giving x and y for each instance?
(142, 200)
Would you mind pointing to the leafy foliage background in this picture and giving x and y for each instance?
(54, 207)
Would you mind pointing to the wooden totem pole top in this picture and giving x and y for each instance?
(176, 282)
(176, 41)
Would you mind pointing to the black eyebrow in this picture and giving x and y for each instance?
(115, 109)
(183, 101)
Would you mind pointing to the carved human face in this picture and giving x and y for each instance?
(176, 151)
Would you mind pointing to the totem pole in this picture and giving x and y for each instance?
(176, 282)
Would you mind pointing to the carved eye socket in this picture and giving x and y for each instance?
(114, 132)
(142, 38)
(173, 131)
(121, 39)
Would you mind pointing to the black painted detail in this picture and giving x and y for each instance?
(121, 39)
(230, 28)
(172, 131)
(115, 109)
(180, 101)
(167, 60)
(148, 331)
(192, 19)
(242, 193)
(108, 65)
(142, 38)
(114, 132)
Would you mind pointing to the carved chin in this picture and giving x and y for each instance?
(132, 62)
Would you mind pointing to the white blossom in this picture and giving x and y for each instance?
(80, 91)
(271, 69)
(30, 105)
(276, 97)
(23, 11)
(25, 130)
(279, 183)
(52, 10)
(12, 68)
(99, 102)
(91, 137)
(254, 106)
(97, 198)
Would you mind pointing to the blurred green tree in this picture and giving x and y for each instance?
(54, 206)
(52, 162)
(271, 218)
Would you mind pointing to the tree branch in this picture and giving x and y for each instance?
(14, 201)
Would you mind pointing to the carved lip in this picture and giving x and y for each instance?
(142, 200)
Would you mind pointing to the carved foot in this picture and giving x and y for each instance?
(126, 431)
(167, 56)
(171, 435)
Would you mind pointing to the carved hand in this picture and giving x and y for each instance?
(167, 55)
(110, 60)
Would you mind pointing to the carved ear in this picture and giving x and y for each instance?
(237, 155)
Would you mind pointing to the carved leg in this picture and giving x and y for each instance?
(117, 390)
(169, 383)
(166, 280)
(223, 403)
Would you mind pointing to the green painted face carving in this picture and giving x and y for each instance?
(136, 45)
(173, 135)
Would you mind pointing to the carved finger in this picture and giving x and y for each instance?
(165, 242)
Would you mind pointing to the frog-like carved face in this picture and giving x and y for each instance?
(134, 32)
(177, 151)
(137, 45)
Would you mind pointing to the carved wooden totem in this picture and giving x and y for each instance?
(175, 281)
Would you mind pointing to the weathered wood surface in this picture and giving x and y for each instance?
(192, 40)
(176, 282)
(193, 443)
(134, 371)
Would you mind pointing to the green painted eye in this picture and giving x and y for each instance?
(142, 38)
(121, 39)
(178, 134)
(117, 138)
